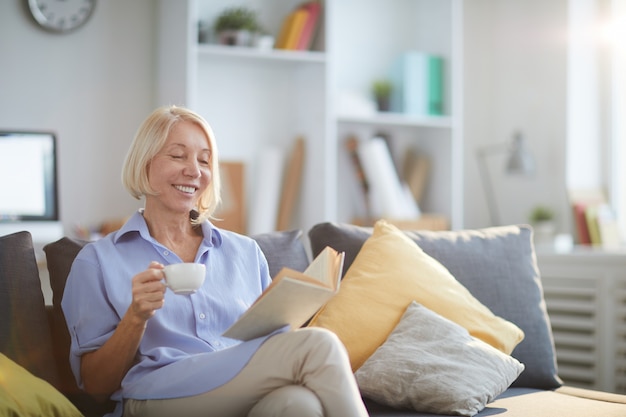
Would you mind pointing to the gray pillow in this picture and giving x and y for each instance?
(497, 265)
(469, 372)
(283, 248)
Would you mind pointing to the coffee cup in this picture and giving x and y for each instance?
(185, 277)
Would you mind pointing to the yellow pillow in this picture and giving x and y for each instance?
(23, 394)
(389, 272)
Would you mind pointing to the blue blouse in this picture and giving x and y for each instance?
(182, 352)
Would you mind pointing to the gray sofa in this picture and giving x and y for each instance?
(497, 266)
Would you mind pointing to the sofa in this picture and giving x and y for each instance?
(388, 273)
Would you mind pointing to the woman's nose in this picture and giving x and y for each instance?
(192, 169)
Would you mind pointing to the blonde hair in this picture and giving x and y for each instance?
(149, 140)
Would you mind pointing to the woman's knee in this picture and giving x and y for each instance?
(321, 336)
(288, 401)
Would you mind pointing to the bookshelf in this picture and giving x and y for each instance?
(259, 99)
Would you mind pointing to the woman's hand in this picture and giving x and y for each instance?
(148, 292)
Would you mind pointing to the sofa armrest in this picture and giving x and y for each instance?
(592, 394)
(67, 384)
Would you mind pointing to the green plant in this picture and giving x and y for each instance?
(541, 214)
(237, 18)
(382, 88)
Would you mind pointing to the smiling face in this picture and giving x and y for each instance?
(180, 172)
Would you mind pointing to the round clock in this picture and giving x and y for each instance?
(61, 15)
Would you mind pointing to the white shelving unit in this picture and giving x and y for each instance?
(258, 99)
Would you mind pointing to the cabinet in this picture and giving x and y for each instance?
(256, 100)
(585, 293)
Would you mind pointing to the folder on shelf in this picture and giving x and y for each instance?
(232, 211)
(292, 29)
(310, 26)
(418, 81)
(291, 185)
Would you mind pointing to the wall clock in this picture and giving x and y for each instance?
(61, 15)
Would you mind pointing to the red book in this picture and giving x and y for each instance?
(580, 219)
(310, 26)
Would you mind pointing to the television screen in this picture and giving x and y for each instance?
(28, 177)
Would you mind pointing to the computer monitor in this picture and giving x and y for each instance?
(28, 177)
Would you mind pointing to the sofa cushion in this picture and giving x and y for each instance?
(23, 394)
(499, 268)
(283, 249)
(388, 274)
(59, 257)
(24, 333)
(469, 373)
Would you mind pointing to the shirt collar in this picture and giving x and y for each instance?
(136, 223)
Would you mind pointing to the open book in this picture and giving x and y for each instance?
(292, 298)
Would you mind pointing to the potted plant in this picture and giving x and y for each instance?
(381, 89)
(236, 25)
(542, 220)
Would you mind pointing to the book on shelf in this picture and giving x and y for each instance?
(591, 217)
(268, 180)
(608, 229)
(388, 196)
(292, 298)
(362, 193)
(580, 222)
(232, 210)
(309, 30)
(594, 220)
(286, 28)
(299, 27)
(415, 172)
(291, 185)
(418, 84)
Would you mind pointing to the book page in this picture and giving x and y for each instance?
(294, 275)
(292, 298)
(291, 302)
(327, 267)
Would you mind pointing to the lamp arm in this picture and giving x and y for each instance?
(486, 180)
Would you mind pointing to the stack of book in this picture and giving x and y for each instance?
(299, 27)
(594, 219)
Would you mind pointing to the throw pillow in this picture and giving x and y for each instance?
(23, 394)
(389, 273)
(283, 248)
(497, 265)
(433, 365)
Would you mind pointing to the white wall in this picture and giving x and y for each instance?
(515, 78)
(92, 87)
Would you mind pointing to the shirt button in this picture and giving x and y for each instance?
(166, 253)
(202, 316)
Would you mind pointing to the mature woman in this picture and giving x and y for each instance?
(161, 354)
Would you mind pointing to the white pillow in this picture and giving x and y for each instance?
(431, 364)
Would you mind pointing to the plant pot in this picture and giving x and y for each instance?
(544, 232)
(235, 37)
(382, 103)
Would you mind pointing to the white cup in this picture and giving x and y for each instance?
(184, 278)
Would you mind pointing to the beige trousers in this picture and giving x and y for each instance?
(303, 373)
